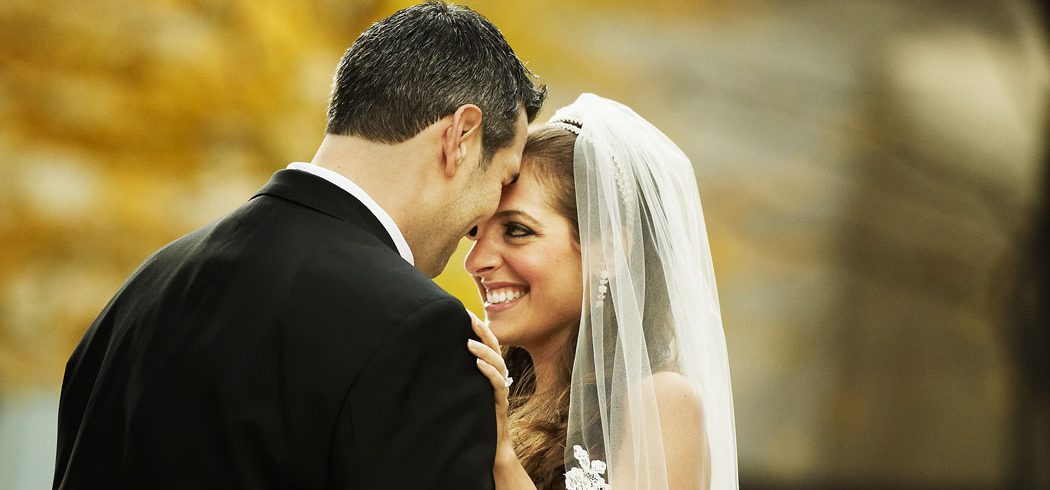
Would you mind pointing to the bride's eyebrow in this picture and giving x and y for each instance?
(511, 213)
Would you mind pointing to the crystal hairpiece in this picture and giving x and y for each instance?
(574, 126)
(570, 125)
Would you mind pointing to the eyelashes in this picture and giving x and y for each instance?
(510, 230)
(517, 230)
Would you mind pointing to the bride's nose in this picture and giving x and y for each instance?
(481, 258)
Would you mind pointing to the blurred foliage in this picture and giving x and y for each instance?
(127, 125)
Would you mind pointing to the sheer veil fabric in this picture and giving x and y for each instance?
(650, 306)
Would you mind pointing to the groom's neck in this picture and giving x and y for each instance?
(389, 173)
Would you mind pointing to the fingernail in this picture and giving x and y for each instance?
(473, 343)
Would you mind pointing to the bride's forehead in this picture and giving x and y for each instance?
(531, 198)
(528, 188)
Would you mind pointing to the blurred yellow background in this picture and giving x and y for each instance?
(873, 173)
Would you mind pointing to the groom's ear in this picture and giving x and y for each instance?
(462, 137)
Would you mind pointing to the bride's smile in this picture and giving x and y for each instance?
(500, 296)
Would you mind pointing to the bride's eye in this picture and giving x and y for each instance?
(516, 230)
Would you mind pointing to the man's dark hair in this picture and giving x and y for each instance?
(420, 64)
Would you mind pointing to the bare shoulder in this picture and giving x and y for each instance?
(682, 428)
(675, 395)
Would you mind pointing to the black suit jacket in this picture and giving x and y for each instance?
(287, 345)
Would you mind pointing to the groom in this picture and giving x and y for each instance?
(298, 342)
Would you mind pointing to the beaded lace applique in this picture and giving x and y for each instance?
(588, 476)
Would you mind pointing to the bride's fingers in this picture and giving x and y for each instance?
(489, 350)
(487, 354)
(473, 318)
(477, 324)
(485, 334)
(495, 377)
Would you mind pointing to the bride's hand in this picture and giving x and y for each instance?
(490, 363)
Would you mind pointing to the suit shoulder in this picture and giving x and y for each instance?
(386, 276)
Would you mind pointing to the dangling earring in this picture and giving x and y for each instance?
(603, 287)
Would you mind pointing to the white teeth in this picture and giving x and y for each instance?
(503, 295)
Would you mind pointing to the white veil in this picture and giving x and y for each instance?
(650, 306)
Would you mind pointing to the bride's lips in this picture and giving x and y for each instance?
(502, 286)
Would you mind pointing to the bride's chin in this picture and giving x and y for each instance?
(503, 335)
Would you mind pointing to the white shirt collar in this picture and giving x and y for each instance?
(344, 183)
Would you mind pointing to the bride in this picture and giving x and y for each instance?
(596, 273)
